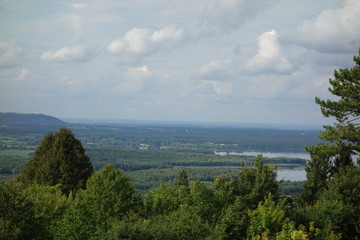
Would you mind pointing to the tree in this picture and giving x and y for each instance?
(239, 196)
(338, 206)
(49, 205)
(59, 159)
(180, 224)
(16, 213)
(182, 179)
(166, 199)
(202, 200)
(344, 135)
(255, 184)
(109, 196)
(267, 219)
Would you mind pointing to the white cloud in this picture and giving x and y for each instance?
(9, 54)
(140, 42)
(227, 15)
(138, 73)
(78, 5)
(334, 30)
(133, 81)
(269, 57)
(68, 54)
(23, 74)
(216, 70)
(219, 16)
(220, 88)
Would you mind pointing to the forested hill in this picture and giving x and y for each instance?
(29, 119)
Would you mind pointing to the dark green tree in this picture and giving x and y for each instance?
(182, 179)
(59, 159)
(338, 207)
(180, 224)
(344, 135)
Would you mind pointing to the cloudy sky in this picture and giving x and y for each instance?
(260, 61)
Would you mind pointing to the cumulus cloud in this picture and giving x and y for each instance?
(333, 30)
(269, 57)
(140, 42)
(219, 16)
(68, 54)
(9, 54)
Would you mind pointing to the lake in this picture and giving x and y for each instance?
(291, 175)
(305, 156)
(283, 174)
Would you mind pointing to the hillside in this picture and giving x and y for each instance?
(29, 119)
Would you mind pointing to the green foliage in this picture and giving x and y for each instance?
(59, 159)
(202, 201)
(11, 164)
(337, 209)
(49, 205)
(109, 195)
(289, 231)
(268, 218)
(182, 179)
(180, 224)
(29, 212)
(239, 196)
(16, 213)
(326, 160)
(256, 183)
(291, 187)
(166, 199)
(233, 223)
(253, 184)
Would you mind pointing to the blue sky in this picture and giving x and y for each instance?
(179, 60)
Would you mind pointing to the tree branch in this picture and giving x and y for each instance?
(358, 153)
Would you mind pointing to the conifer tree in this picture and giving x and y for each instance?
(344, 135)
(59, 159)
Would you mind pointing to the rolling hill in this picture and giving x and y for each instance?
(29, 119)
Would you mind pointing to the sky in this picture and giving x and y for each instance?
(258, 61)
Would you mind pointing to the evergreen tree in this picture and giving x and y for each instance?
(182, 179)
(59, 159)
(344, 135)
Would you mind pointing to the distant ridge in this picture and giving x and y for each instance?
(29, 119)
